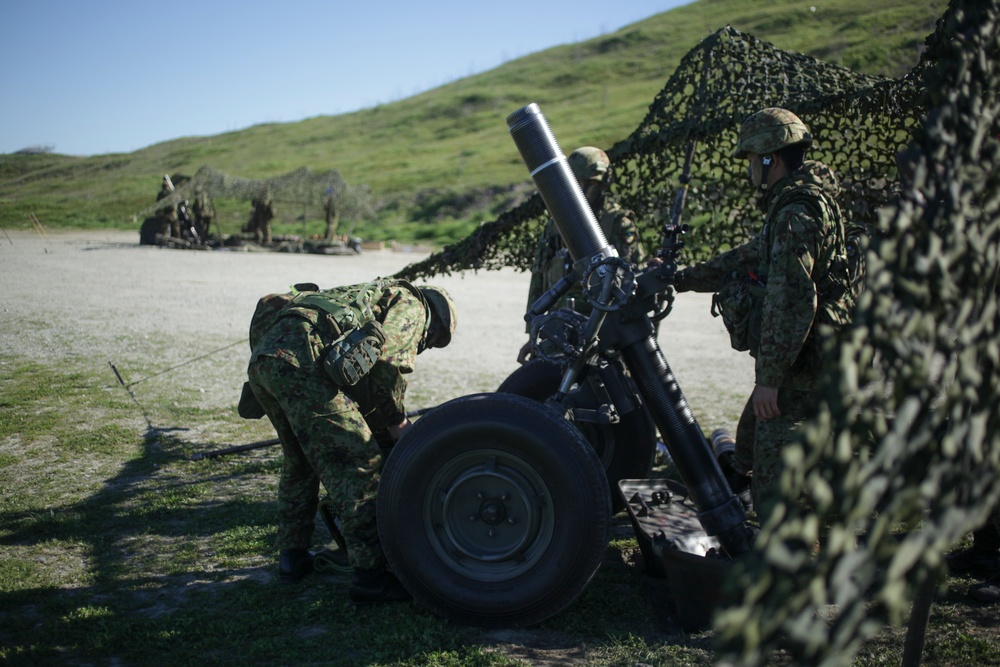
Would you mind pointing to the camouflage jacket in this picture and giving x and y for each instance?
(552, 260)
(300, 341)
(801, 256)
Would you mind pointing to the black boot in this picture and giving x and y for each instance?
(294, 565)
(378, 585)
(724, 445)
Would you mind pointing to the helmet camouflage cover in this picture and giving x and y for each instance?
(770, 130)
(589, 163)
(443, 307)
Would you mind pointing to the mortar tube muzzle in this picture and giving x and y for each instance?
(557, 185)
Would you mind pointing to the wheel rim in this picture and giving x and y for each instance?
(488, 515)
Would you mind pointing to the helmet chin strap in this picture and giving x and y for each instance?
(765, 166)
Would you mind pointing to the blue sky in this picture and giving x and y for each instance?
(90, 77)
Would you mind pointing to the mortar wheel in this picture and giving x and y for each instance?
(492, 510)
(626, 449)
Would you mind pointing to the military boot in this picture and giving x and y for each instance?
(986, 591)
(294, 565)
(724, 445)
(378, 585)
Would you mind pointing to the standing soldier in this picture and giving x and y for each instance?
(326, 424)
(792, 286)
(260, 218)
(203, 211)
(332, 216)
(592, 169)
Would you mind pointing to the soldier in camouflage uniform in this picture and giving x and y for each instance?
(796, 271)
(592, 169)
(327, 431)
(261, 216)
(203, 210)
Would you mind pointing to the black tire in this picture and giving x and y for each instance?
(492, 511)
(626, 449)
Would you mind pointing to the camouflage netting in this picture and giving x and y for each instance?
(299, 186)
(860, 122)
(930, 322)
(916, 444)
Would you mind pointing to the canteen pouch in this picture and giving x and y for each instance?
(740, 303)
(351, 357)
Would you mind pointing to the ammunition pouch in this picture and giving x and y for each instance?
(740, 302)
(351, 357)
(249, 407)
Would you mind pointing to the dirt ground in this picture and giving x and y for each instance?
(100, 297)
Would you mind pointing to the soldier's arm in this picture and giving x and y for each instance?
(790, 299)
(404, 329)
(707, 276)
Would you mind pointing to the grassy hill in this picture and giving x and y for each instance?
(440, 162)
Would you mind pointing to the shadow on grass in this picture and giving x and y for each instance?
(172, 561)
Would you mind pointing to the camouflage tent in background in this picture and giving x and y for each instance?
(301, 187)
(916, 443)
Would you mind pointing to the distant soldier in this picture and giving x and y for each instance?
(332, 217)
(260, 218)
(170, 223)
(794, 284)
(592, 169)
(204, 211)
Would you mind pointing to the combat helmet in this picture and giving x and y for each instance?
(589, 163)
(442, 305)
(770, 130)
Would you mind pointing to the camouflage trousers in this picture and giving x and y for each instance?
(759, 445)
(324, 439)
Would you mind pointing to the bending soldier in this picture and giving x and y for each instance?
(327, 425)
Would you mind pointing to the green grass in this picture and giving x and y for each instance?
(116, 547)
(453, 140)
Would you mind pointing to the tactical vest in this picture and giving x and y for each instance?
(741, 296)
(342, 309)
(345, 315)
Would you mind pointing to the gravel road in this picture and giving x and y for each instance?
(177, 320)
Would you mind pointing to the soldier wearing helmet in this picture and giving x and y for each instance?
(790, 283)
(592, 169)
(328, 427)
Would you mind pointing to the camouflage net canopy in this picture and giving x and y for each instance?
(918, 443)
(908, 432)
(859, 121)
(301, 186)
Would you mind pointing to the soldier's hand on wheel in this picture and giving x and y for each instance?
(396, 432)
